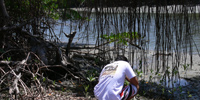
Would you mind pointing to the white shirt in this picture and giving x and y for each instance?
(111, 80)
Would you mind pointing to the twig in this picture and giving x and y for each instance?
(14, 86)
(2, 70)
(19, 80)
(3, 77)
(40, 86)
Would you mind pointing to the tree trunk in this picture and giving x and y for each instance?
(3, 21)
(3, 13)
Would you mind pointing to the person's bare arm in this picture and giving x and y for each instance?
(135, 82)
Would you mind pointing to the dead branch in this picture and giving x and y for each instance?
(71, 37)
(14, 86)
(2, 77)
(103, 44)
(2, 70)
(22, 83)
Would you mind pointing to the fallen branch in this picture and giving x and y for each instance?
(2, 70)
(18, 79)
(14, 86)
(108, 42)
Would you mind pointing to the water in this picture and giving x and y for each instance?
(82, 33)
(172, 82)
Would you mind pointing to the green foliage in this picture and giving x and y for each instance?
(167, 72)
(175, 71)
(163, 90)
(126, 83)
(92, 73)
(44, 79)
(170, 91)
(54, 82)
(86, 87)
(8, 59)
(51, 7)
(150, 77)
(35, 77)
(121, 37)
(144, 92)
(180, 88)
(139, 73)
(91, 78)
(189, 95)
(71, 14)
(151, 70)
(186, 66)
(63, 89)
(97, 60)
(27, 9)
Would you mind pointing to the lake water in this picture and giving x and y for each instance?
(70, 26)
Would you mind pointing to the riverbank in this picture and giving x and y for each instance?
(150, 89)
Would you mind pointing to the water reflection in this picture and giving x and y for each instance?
(171, 82)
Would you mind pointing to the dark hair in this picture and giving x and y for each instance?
(121, 57)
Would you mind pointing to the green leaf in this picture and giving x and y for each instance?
(175, 72)
(8, 58)
(90, 78)
(121, 37)
(44, 79)
(35, 77)
(189, 95)
(63, 89)
(86, 87)
(126, 82)
(54, 82)
(163, 90)
(169, 91)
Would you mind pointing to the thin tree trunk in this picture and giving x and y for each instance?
(4, 13)
(3, 21)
